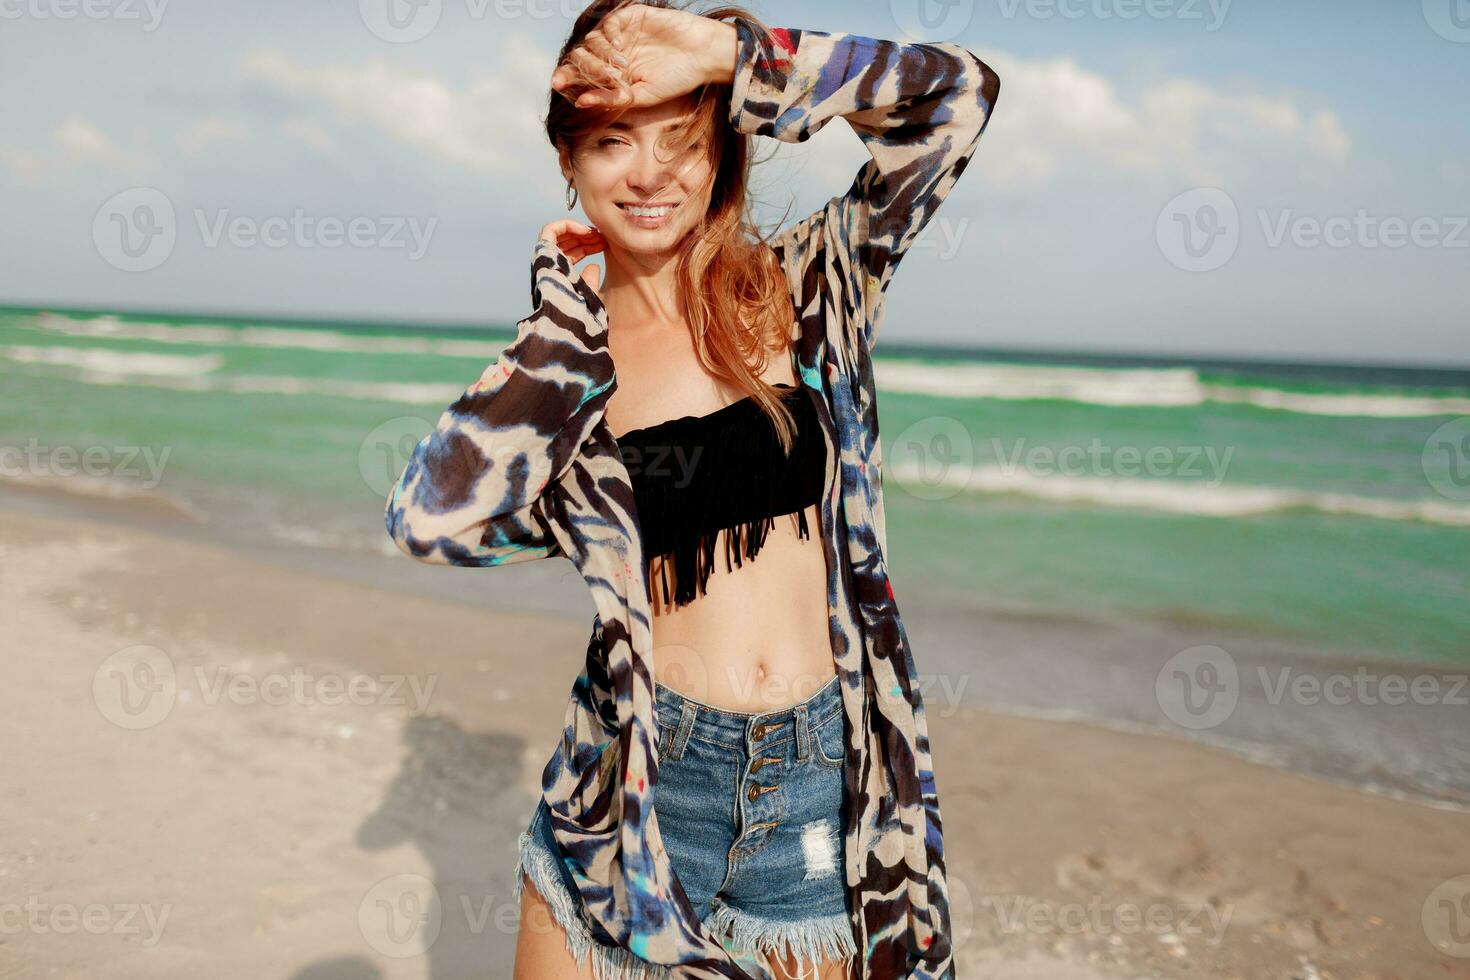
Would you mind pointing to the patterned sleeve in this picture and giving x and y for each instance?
(919, 109)
(473, 490)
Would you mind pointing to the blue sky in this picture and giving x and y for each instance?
(1254, 178)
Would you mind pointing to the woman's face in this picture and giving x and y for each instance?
(631, 162)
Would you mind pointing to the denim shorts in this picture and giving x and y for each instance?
(751, 811)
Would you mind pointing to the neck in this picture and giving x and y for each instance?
(642, 288)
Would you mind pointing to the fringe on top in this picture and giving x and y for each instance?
(697, 476)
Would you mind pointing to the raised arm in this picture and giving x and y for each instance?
(472, 492)
(920, 110)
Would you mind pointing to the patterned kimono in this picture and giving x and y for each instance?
(523, 466)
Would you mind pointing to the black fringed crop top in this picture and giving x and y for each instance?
(698, 475)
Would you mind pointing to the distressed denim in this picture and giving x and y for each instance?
(750, 806)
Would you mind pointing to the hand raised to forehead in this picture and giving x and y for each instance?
(639, 56)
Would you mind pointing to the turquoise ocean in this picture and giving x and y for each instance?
(1058, 523)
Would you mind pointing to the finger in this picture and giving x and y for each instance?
(571, 79)
(571, 226)
(597, 70)
(591, 243)
(592, 276)
(621, 26)
(568, 76)
(578, 248)
(619, 95)
(603, 49)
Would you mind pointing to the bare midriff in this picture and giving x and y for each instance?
(757, 640)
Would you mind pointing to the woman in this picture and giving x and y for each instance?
(744, 787)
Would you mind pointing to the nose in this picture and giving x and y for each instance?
(651, 171)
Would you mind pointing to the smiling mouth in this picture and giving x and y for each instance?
(669, 205)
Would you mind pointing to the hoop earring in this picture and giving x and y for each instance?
(571, 196)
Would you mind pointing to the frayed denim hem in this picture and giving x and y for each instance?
(751, 941)
(808, 942)
(608, 962)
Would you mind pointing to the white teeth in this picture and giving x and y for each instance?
(647, 212)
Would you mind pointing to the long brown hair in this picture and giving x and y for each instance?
(736, 300)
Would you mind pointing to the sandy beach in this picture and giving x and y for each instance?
(222, 766)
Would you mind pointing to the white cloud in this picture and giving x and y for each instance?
(1057, 118)
(79, 142)
(208, 130)
(1326, 133)
(23, 164)
(482, 126)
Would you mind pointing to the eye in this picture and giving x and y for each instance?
(608, 140)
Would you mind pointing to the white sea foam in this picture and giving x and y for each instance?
(1146, 386)
(219, 335)
(1140, 387)
(1362, 405)
(95, 360)
(1118, 387)
(1181, 498)
(109, 371)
